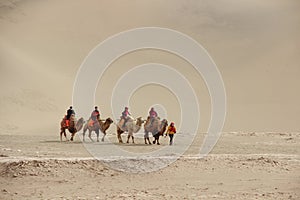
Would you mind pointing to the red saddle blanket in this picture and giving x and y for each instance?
(91, 122)
(65, 122)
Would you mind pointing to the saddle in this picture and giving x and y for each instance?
(91, 122)
(122, 122)
(65, 122)
(152, 119)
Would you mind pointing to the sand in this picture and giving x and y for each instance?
(255, 45)
(241, 166)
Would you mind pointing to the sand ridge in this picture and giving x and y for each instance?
(254, 43)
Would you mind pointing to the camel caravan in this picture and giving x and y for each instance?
(127, 124)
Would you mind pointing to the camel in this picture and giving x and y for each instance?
(74, 126)
(129, 127)
(96, 127)
(157, 129)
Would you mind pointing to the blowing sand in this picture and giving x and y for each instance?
(254, 43)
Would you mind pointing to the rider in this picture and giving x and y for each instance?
(95, 115)
(125, 115)
(153, 114)
(70, 112)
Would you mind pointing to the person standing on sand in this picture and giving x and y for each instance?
(171, 131)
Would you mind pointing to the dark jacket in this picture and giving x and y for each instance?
(70, 112)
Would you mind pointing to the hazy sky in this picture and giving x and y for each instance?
(255, 44)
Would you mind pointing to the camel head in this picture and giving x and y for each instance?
(81, 120)
(104, 126)
(164, 123)
(163, 126)
(147, 121)
(109, 120)
(79, 124)
(139, 121)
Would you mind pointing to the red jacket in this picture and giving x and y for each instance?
(95, 113)
(171, 130)
(152, 113)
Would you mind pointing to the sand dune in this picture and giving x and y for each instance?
(255, 45)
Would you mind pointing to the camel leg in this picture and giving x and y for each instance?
(72, 136)
(61, 132)
(145, 137)
(128, 138)
(119, 137)
(158, 140)
(90, 133)
(119, 132)
(65, 134)
(132, 139)
(104, 134)
(97, 132)
(148, 140)
(83, 135)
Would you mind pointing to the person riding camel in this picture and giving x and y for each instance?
(125, 116)
(70, 112)
(152, 114)
(95, 115)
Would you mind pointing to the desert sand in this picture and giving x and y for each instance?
(241, 166)
(255, 45)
